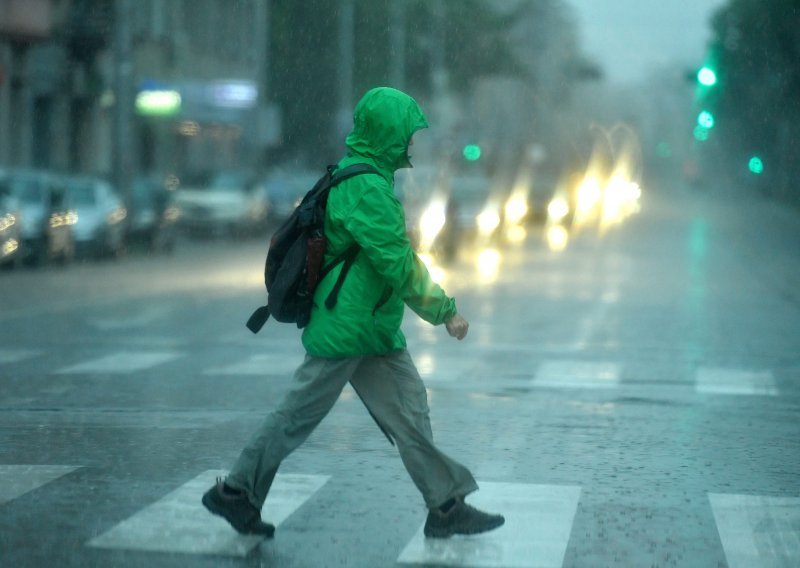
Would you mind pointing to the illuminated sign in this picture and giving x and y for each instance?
(158, 103)
(234, 94)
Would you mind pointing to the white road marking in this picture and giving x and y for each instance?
(577, 374)
(16, 355)
(757, 530)
(178, 522)
(262, 364)
(143, 317)
(122, 362)
(536, 532)
(16, 480)
(712, 380)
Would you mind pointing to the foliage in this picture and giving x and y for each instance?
(304, 56)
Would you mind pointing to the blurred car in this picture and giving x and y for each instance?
(444, 213)
(100, 227)
(10, 231)
(153, 217)
(284, 188)
(46, 219)
(228, 204)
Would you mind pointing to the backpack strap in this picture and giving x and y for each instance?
(257, 320)
(349, 255)
(338, 176)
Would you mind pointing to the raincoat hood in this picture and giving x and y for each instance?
(383, 122)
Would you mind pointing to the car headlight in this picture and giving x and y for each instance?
(9, 246)
(589, 194)
(488, 220)
(7, 221)
(117, 215)
(557, 209)
(431, 223)
(516, 208)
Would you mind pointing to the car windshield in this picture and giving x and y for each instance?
(230, 181)
(82, 194)
(27, 190)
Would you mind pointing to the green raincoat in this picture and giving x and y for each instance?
(386, 273)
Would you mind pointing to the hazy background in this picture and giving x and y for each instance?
(629, 38)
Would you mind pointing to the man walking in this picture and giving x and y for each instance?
(359, 340)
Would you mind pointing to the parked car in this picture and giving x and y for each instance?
(227, 204)
(46, 219)
(153, 217)
(10, 231)
(284, 188)
(100, 228)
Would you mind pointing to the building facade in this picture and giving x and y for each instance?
(86, 85)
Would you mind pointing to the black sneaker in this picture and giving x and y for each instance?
(460, 519)
(237, 510)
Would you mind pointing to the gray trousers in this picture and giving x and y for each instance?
(392, 390)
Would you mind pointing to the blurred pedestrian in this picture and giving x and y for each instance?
(359, 341)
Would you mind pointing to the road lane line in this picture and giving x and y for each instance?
(714, 380)
(122, 362)
(577, 374)
(16, 480)
(538, 525)
(178, 522)
(758, 530)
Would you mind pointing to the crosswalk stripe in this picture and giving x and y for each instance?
(142, 317)
(122, 362)
(715, 380)
(536, 532)
(178, 522)
(758, 530)
(261, 364)
(15, 355)
(16, 480)
(577, 374)
(434, 367)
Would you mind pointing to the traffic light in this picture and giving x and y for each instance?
(755, 165)
(472, 152)
(705, 119)
(706, 76)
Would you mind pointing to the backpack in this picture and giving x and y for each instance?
(294, 260)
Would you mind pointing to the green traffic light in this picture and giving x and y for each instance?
(706, 76)
(705, 119)
(755, 165)
(472, 152)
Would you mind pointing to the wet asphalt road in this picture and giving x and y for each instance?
(630, 401)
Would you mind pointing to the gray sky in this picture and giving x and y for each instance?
(629, 37)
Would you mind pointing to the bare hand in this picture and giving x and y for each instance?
(457, 327)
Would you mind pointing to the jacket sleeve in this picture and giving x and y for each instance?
(377, 223)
